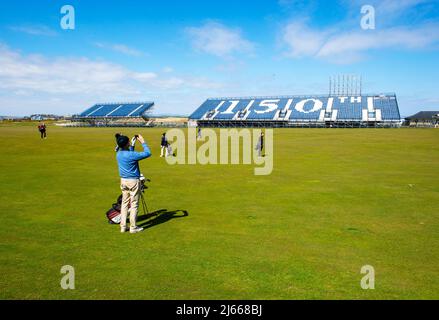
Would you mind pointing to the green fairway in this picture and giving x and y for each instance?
(338, 199)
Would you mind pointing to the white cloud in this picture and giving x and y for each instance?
(77, 75)
(345, 42)
(120, 48)
(389, 8)
(302, 41)
(216, 39)
(406, 38)
(60, 75)
(349, 46)
(144, 76)
(35, 80)
(35, 30)
(168, 69)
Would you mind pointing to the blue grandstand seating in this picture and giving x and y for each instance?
(117, 110)
(229, 116)
(389, 107)
(349, 110)
(300, 108)
(204, 108)
(310, 111)
(89, 110)
(102, 111)
(258, 112)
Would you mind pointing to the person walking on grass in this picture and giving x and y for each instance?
(128, 162)
(164, 146)
(42, 129)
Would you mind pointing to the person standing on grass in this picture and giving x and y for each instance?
(128, 162)
(164, 145)
(199, 133)
(260, 145)
(42, 129)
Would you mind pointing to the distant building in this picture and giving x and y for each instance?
(35, 117)
(9, 118)
(423, 119)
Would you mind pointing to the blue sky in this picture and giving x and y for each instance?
(178, 53)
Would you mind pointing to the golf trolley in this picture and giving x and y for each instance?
(114, 214)
(143, 187)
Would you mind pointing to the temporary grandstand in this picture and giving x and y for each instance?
(344, 106)
(359, 110)
(116, 114)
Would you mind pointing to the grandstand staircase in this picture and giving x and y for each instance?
(285, 113)
(241, 115)
(211, 114)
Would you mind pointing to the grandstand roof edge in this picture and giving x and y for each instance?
(302, 96)
(123, 103)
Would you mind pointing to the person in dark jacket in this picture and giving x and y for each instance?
(164, 145)
(42, 129)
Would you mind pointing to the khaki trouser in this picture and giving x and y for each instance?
(130, 197)
(163, 148)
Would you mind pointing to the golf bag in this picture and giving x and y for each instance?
(114, 214)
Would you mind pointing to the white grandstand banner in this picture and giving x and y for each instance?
(233, 105)
(317, 105)
(271, 105)
(317, 108)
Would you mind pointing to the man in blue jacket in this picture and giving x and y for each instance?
(128, 161)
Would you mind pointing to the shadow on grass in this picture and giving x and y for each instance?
(160, 216)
